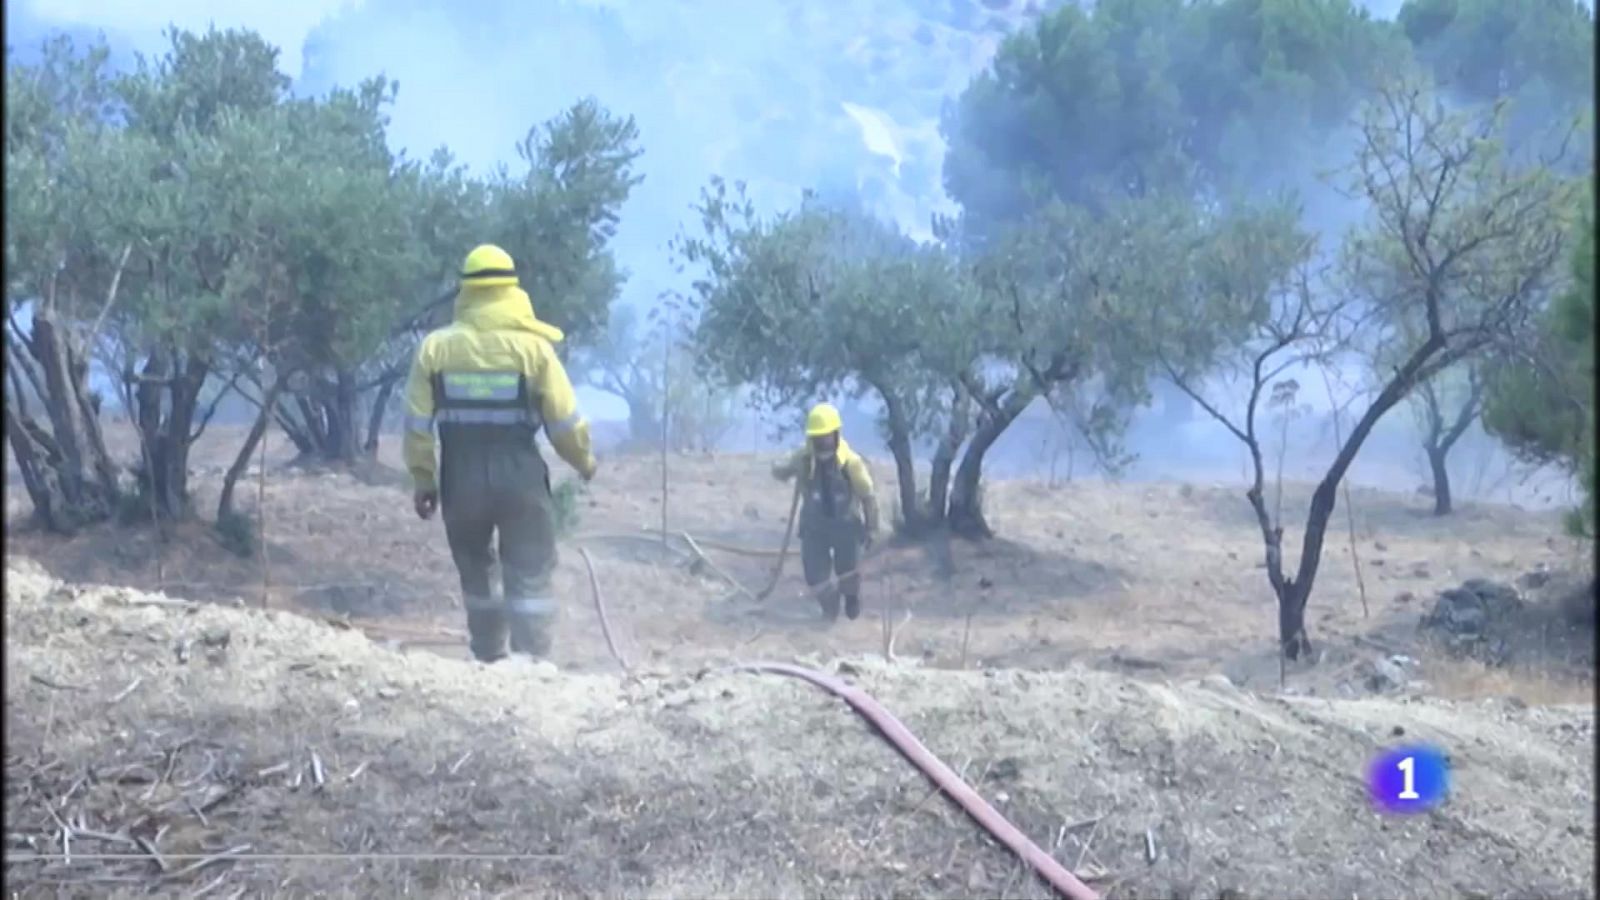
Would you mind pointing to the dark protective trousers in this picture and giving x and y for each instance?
(833, 547)
(493, 483)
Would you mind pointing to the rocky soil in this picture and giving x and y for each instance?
(232, 749)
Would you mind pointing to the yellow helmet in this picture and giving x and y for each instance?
(823, 419)
(488, 266)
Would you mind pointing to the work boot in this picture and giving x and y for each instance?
(486, 633)
(829, 599)
(530, 634)
(852, 606)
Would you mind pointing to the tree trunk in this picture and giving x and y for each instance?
(1292, 633)
(47, 502)
(66, 469)
(944, 455)
(322, 421)
(241, 461)
(60, 400)
(298, 432)
(644, 426)
(1434, 355)
(314, 422)
(380, 407)
(168, 398)
(345, 438)
(898, 434)
(1442, 503)
(965, 515)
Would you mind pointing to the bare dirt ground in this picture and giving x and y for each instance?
(199, 730)
(1162, 579)
(1114, 647)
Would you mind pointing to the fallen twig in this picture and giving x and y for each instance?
(208, 861)
(54, 685)
(209, 886)
(198, 812)
(91, 834)
(1087, 843)
(715, 569)
(456, 767)
(273, 770)
(150, 848)
(211, 765)
(966, 636)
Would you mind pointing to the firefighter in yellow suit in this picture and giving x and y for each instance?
(838, 512)
(490, 381)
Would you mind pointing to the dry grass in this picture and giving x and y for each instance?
(1088, 572)
(1467, 679)
(695, 785)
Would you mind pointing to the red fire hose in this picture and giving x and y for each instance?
(1064, 882)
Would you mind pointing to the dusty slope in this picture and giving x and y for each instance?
(1082, 573)
(678, 785)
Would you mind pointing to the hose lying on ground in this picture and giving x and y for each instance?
(903, 740)
(1053, 872)
(695, 544)
(783, 551)
(605, 623)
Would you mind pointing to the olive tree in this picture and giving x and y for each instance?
(824, 300)
(1459, 246)
(66, 163)
(954, 343)
(210, 108)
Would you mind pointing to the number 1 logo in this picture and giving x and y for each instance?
(1408, 769)
(1408, 779)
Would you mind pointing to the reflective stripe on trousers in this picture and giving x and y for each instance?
(532, 606)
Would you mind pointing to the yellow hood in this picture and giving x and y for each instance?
(845, 454)
(502, 308)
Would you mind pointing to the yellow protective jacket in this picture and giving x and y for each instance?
(801, 463)
(494, 330)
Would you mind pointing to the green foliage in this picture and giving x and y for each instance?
(1539, 55)
(1486, 50)
(1157, 96)
(237, 534)
(820, 300)
(566, 497)
(66, 167)
(557, 218)
(1541, 401)
(253, 234)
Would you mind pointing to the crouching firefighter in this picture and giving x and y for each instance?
(838, 512)
(489, 381)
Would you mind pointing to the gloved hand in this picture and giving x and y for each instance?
(425, 502)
